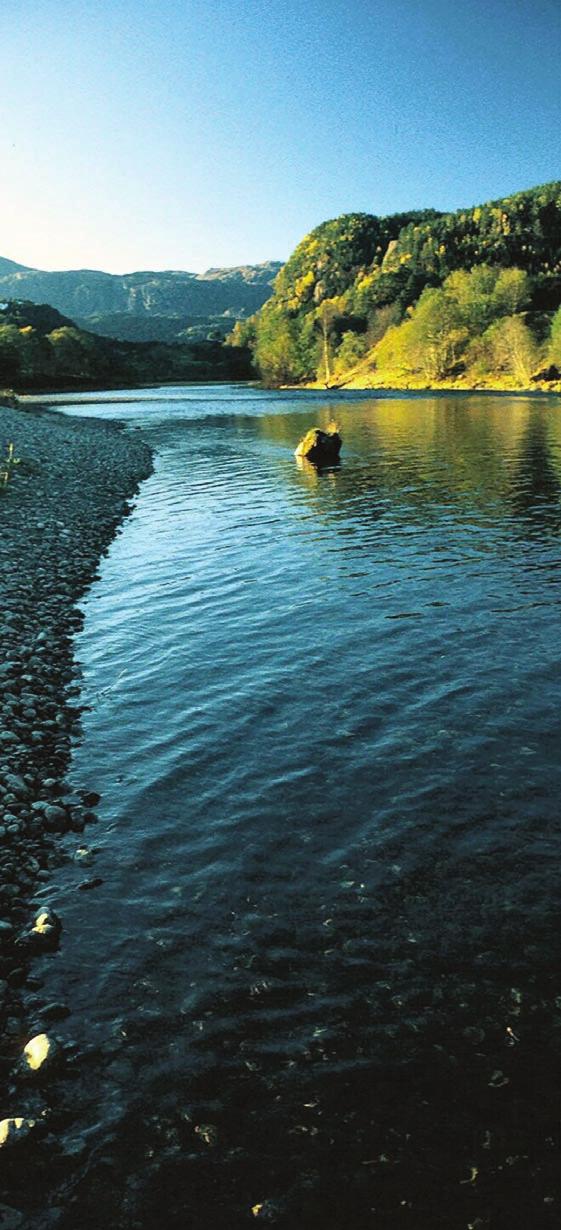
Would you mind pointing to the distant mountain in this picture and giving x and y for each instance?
(89, 295)
(7, 267)
(253, 275)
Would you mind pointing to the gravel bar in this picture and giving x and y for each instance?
(59, 511)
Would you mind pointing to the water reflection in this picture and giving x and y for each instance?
(536, 486)
(491, 456)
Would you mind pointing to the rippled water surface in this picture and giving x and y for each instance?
(319, 984)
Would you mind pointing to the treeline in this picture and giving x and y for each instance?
(41, 349)
(477, 326)
(421, 297)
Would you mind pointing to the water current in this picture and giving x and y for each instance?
(319, 983)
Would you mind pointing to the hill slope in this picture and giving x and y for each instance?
(42, 349)
(7, 267)
(356, 277)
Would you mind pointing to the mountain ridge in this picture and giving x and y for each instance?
(8, 267)
(92, 294)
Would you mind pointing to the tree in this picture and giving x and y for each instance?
(472, 292)
(10, 355)
(512, 291)
(244, 333)
(276, 351)
(327, 316)
(350, 351)
(554, 354)
(393, 354)
(483, 294)
(437, 336)
(512, 349)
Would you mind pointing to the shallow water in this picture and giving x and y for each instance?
(319, 984)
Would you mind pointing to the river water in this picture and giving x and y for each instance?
(319, 983)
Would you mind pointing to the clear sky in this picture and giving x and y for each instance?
(179, 134)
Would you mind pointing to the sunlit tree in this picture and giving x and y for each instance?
(512, 349)
(554, 350)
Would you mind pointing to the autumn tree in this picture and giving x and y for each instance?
(554, 352)
(327, 316)
(512, 349)
(437, 335)
(350, 351)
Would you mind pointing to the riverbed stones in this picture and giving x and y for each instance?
(59, 514)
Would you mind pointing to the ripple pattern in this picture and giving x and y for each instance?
(325, 722)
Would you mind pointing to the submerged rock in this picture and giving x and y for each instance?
(37, 1051)
(15, 1129)
(320, 447)
(45, 932)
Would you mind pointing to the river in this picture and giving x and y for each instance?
(318, 984)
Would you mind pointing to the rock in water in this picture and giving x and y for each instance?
(45, 932)
(320, 447)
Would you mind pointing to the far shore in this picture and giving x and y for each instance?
(352, 384)
(358, 384)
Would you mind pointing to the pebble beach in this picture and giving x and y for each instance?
(60, 507)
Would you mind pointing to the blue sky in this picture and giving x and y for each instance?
(152, 134)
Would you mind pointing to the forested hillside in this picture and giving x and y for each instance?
(419, 298)
(41, 349)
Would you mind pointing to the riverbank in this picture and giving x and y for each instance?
(59, 511)
(360, 382)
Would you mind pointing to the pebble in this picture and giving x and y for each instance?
(10, 1218)
(14, 1130)
(53, 1012)
(90, 798)
(16, 784)
(93, 883)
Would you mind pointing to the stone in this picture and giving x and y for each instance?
(10, 1218)
(320, 447)
(37, 1051)
(55, 1012)
(14, 1130)
(47, 927)
(90, 798)
(56, 817)
(16, 785)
